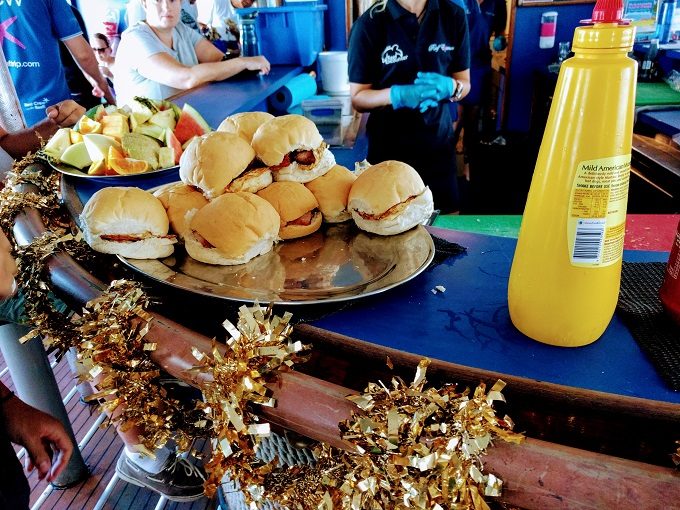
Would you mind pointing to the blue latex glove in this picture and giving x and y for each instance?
(427, 104)
(499, 43)
(410, 96)
(442, 84)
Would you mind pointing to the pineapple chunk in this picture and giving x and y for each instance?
(115, 125)
(166, 157)
(75, 136)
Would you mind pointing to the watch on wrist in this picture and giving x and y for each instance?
(458, 91)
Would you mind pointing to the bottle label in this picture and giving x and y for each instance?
(597, 211)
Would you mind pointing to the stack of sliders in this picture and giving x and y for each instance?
(127, 221)
(236, 200)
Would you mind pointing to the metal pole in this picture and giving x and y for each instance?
(35, 384)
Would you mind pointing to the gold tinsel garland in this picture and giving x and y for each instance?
(258, 347)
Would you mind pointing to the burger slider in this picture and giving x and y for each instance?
(127, 221)
(244, 124)
(389, 198)
(297, 208)
(331, 191)
(178, 200)
(218, 163)
(293, 149)
(232, 229)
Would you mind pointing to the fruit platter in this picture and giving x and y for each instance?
(147, 136)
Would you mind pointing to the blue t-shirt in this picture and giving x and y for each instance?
(30, 31)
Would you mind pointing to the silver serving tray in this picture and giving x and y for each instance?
(75, 172)
(337, 263)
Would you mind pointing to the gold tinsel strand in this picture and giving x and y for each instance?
(115, 354)
(421, 450)
(258, 347)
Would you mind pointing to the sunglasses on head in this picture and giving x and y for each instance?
(100, 50)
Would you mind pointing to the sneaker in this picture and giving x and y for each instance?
(179, 480)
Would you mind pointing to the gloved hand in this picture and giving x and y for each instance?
(427, 104)
(499, 43)
(410, 96)
(442, 84)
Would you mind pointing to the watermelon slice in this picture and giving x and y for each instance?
(172, 142)
(190, 124)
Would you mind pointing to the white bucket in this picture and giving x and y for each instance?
(333, 68)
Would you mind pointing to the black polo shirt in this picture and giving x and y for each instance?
(388, 48)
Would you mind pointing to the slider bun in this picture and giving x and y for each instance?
(178, 199)
(295, 173)
(332, 191)
(252, 181)
(389, 186)
(281, 135)
(238, 225)
(210, 162)
(292, 200)
(127, 211)
(244, 124)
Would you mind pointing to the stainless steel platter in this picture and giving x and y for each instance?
(337, 263)
(71, 170)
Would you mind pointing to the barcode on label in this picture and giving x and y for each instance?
(589, 240)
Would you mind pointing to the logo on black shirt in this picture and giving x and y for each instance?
(393, 54)
(434, 48)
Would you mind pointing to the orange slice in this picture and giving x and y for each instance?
(127, 166)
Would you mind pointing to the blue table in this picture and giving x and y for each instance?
(245, 92)
(469, 324)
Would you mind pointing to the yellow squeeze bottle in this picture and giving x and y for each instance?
(566, 272)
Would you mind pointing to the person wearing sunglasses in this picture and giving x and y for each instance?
(102, 50)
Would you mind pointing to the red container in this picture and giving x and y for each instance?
(670, 290)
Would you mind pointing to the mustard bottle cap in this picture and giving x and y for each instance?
(607, 29)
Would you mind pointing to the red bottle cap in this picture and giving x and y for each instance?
(607, 11)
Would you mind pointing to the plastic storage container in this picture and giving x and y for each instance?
(327, 115)
(289, 35)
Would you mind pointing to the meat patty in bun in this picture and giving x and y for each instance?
(293, 149)
(297, 208)
(232, 229)
(389, 198)
(218, 163)
(127, 221)
(331, 191)
(179, 199)
(244, 124)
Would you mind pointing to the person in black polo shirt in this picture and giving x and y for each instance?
(407, 59)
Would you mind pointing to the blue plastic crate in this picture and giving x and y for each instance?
(289, 35)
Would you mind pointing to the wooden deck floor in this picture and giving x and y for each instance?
(102, 490)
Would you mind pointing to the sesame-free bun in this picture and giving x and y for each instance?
(134, 216)
(238, 226)
(293, 202)
(280, 136)
(179, 199)
(244, 124)
(389, 198)
(332, 191)
(210, 162)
